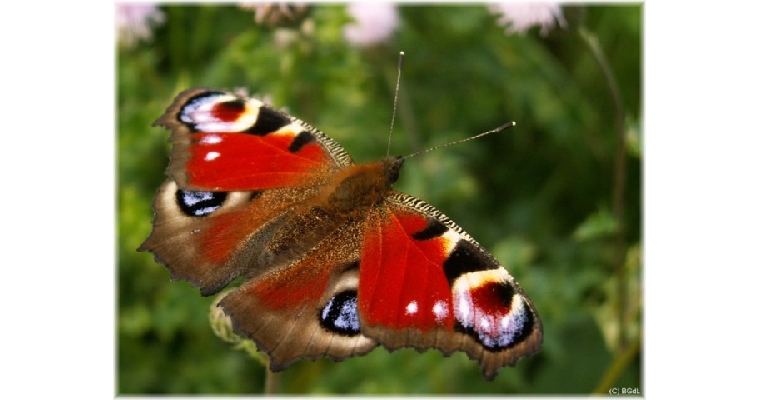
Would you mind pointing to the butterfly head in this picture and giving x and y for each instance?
(392, 167)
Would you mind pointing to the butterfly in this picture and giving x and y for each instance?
(334, 262)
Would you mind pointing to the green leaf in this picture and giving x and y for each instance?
(598, 225)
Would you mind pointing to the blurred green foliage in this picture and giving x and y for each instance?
(539, 196)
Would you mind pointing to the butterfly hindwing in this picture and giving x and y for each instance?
(306, 309)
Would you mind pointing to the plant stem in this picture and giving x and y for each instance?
(618, 366)
(618, 191)
(271, 382)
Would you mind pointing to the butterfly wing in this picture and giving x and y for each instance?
(425, 283)
(242, 176)
(307, 309)
(225, 142)
(238, 168)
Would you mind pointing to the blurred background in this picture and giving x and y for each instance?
(557, 200)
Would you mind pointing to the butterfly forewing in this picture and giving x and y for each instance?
(453, 295)
(225, 142)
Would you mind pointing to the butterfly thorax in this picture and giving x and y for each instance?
(342, 202)
(360, 186)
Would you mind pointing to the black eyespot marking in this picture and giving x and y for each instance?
(505, 319)
(523, 334)
(463, 259)
(203, 97)
(302, 139)
(233, 105)
(199, 204)
(340, 315)
(229, 110)
(433, 230)
(267, 122)
(504, 340)
(192, 104)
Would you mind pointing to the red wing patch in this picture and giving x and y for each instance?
(235, 161)
(402, 284)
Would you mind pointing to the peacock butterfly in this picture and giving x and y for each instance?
(334, 261)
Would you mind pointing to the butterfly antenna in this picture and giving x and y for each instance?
(395, 101)
(499, 129)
